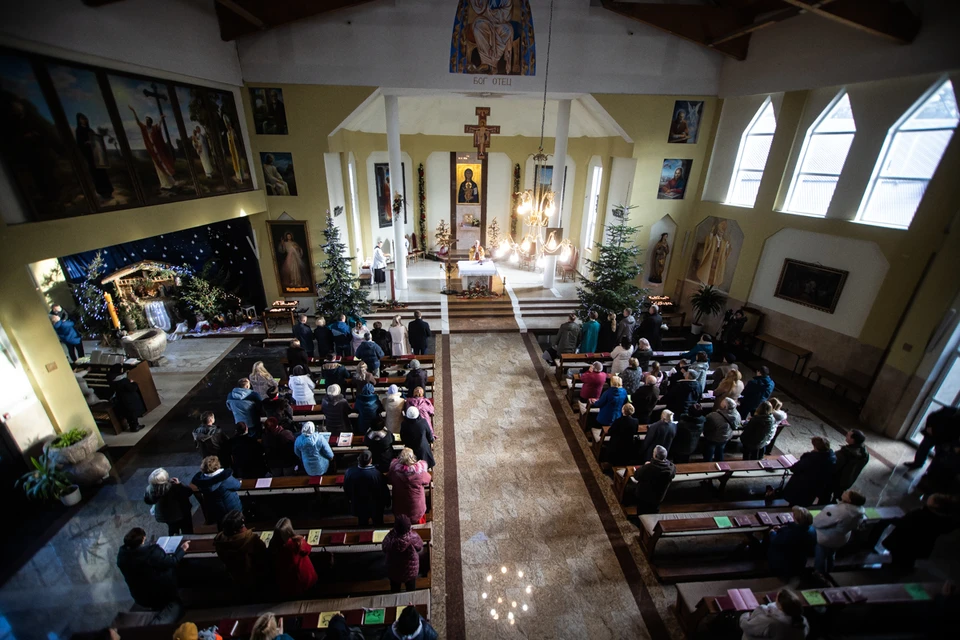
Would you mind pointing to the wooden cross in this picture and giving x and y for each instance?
(481, 132)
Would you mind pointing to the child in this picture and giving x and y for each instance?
(834, 525)
(209, 437)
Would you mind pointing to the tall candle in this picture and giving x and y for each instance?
(112, 310)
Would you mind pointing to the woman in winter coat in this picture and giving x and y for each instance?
(361, 377)
(622, 448)
(402, 546)
(368, 408)
(662, 432)
(278, 449)
(399, 339)
(756, 392)
(170, 502)
(758, 432)
(593, 381)
(643, 353)
(645, 399)
(611, 402)
(730, 387)
(632, 377)
(704, 345)
(791, 545)
(621, 356)
(811, 478)
(416, 435)
(261, 380)
(313, 449)
(276, 407)
(851, 459)
(782, 619)
(689, 429)
(380, 443)
(410, 626)
(718, 429)
(701, 367)
(424, 405)
(834, 524)
(218, 488)
(302, 386)
(607, 337)
(293, 571)
(416, 377)
(393, 405)
(409, 477)
(335, 410)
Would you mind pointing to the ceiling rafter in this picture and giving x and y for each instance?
(892, 20)
(238, 18)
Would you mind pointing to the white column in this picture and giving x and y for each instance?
(396, 185)
(559, 166)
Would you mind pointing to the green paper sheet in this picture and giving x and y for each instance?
(814, 512)
(917, 592)
(374, 616)
(723, 522)
(814, 598)
(872, 514)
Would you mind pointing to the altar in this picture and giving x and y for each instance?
(472, 272)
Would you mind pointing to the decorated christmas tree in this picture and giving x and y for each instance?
(339, 292)
(617, 266)
(493, 237)
(93, 307)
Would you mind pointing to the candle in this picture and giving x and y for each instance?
(112, 310)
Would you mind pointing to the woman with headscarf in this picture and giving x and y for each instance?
(393, 406)
(335, 410)
(417, 435)
(402, 547)
(409, 476)
(314, 450)
(424, 405)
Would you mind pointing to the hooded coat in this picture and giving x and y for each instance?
(302, 388)
(150, 574)
(415, 378)
(659, 433)
(754, 393)
(622, 447)
(212, 442)
(681, 395)
(304, 334)
(368, 408)
(409, 497)
(593, 382)
(246, 406)
(426, 409)
(758, 432)
(173, 506)
(835, 522)
(567, 337)
(653, 481)
(66, 332)
(811, 478)
(689, 430)
(701, 369)
(632, 378)
(219, 491)
(589, 333)
(324, 339)
(644, 401)
(314, 451)
(610, 404)
(245, 557)
(403, 555)
(701, 346)
(366, 490)
(370, 352)
(417, 435)
(625, 328)
(720, 425)
(851, 459)
(292, 568)
(649, 328)
(380, 444)
(336, 411)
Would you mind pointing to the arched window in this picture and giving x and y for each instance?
(752, 156)
(824, 152)
(910, 156)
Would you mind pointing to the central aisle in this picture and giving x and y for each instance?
(523, 504)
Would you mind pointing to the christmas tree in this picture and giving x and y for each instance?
(339, 292)
(493, 237)
(93, 308)
(614, 271)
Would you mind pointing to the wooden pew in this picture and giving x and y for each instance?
(568, 361)
(202, 546)
(300, 484)
(340, 522)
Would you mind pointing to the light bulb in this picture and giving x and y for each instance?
(519, 574)
(514, 604)
(484, 595)
(525, 607)
(529, 589)
(515, 258)
(489, 578)
(499, 600)
(540, 262)
(493, 612)
(510, 615)
(511, 620)
(565, 254)
(503, 569)
(525, 245)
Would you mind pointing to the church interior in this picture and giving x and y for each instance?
(275, 271)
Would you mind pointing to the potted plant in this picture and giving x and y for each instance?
(46, 482)
(708, 301)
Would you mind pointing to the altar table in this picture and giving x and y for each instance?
(472, 272)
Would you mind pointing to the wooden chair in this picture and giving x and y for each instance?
(568, 267)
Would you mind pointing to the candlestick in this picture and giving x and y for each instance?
(112, 310)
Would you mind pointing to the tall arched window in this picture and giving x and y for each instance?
(752, 156)
(909, 158)
(824, 152)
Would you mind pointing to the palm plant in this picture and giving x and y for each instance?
(708, 301)
(45, 481)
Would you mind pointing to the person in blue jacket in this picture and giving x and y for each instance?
(756, 392)
(791, 545)
(218, 488)
(69, 336)
(611, 402)
(341, 335)
(246, 406)
(705, 345)
(313, 449)
(589, 333)
(368, 408)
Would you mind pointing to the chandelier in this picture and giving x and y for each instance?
(537, 206)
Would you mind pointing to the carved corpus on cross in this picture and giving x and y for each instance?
(481, 131)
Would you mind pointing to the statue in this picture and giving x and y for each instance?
(713, 260)
(660, 252)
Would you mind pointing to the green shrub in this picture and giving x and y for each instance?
(68, 438)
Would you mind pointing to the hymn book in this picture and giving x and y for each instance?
(374, 616)
(313, 538)
(266, 536)
(325, 618)
(378, 536)
(345, 439)
(264, 483)
(169, 544)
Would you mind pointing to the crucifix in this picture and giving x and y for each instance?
(481, 131)
(156, 95)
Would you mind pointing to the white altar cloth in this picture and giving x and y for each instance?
(472, 271)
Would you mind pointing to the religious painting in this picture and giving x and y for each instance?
(811, 285)
(493, 37)
(200, 139)
(278, 173)
(717, 247)
(269, 111)
(35, 152)
(381, 176)
(290, 246)
(673, 179)
(685, 124)
(663, 232)
(543, 179)
(97, 141)
(233, 153)
(469, 177)
(150, 126)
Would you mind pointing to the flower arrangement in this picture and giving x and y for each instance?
(516, 200)
(422, 195)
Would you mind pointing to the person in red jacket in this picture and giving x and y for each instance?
(293, 570)
(402, 546)
(409, 477)
(593, 381)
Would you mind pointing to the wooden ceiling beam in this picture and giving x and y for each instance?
(243, 13)
(892, 20)
(764, 19)
(243, 17)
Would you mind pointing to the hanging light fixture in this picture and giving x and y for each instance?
(538, 205)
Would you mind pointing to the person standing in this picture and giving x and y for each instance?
(782, 619)
(645, 398)
(419, 333)
(718, 429)
(335, 410)
(368, 408)
(758, 432)
(150, 574)
(606, 339)
(626, 326)
(379, 265)
(689, 429)
(242, 552)
(622, 448)
(423, 404)
(370, 352)
(566, 340)
(69, 336)
(341, 336)
(649, 485)
(302, 386)
(589, 333)
(730, 387)
(293, 571)
(218, 488)
(246, 455)
(942, 428)
(400, 342)
(169, 502)
(852, 457)
(811, 478)
(278, 448)
(402, 546)
(649, 328)
(366, 490)
(313, 449)
(417, 435)
(790, 545)
(127, 401)
(611, 402)
(834, 524)
(756, 392)
(621, 356)
(297, 356)
(409, 476)
(382, 337)
(416, 377)
(323, 338)
(261, 380)
(661, 433)
(915, 534)
(303, 333)
(246, 405)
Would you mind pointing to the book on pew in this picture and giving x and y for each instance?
(872, 513)
(374, 616)
(345, 439)
(400, 608)
(854, 594)
(835, 596)
(769, 464)
(785, 518)
(749, 599)
(725, 603)
(744, 521)
(169, 544)
(366, 537)
(723, 466)
(814, 598)
(723, 522)
(916, 591)
(266, 536)
(325, 618)
(379, 535)
(736, 599)
(264, 483)
(314, 480)
(313, 538)
(765, 518)
(787, 460)
(338, 538)
(338, 481)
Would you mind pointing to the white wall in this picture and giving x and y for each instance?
(25, 416)
(437, 176)
(863, 259)
(179, 36)
(808, 51)
(337, 198)
(499, 191)
(620, 189)
(407, 44)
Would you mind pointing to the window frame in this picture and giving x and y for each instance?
(744, 137)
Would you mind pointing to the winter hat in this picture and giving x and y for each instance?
(414, 364)
(392, 390)
(413, 413)
(333, 390)
(367, 390)
(308, 428)
(186, 631)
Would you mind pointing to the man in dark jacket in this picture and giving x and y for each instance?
(151, 576)
(297, 356)
(566, 341)
(323, 337)
(682, 394)
(246, 455)
(416, 377)
(242, 552)
(382, 337)
(366, 490)
(755, 392)
(416, 434)
(942, 428)
(689, 429)
(851, 459)
(336, 410)
(303, 333)
(659, 434)
(649, 328)
(370, 352)
(127, 401)
(645, 399)
(915, 534)
(68, 335)
(418, 332)
(812, 476)
(276, 407)
(341, 335)
(650, 483)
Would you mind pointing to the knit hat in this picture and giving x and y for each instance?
(412, 413)
(186, 631)
(392, 390)
(308, 428)
(367, 390)
(333, 390)
(414, 364)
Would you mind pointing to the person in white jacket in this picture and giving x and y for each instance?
(834, 525)
(621, 355)
(393, 405)
(781, 620)
(302, 386)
